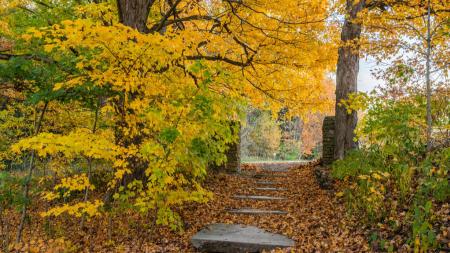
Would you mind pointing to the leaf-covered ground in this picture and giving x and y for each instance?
(315, 220)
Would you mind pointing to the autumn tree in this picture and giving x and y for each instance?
(260, 135)
(415, 36)
(158, 83)
(386, 29)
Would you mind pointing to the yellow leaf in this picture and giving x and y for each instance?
(339, 194)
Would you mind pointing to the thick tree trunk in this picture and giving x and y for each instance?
(134, 13)
(346, 79)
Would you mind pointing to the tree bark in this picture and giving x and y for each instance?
(134, 13)
(346, 79)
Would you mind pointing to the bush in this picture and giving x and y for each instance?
(392, 172)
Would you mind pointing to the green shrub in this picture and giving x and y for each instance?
(422, 231)
(392, 170)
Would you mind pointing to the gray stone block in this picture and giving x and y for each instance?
(235, 238)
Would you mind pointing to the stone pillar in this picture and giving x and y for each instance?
(233, 153)
(328, 142)
(233, 164)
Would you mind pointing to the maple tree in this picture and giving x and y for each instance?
(157, 89)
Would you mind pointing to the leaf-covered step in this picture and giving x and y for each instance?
(252, 211)
(269, 189)
(267, 183)
(269, 175)
(257, 197)
(236, 238)
(275, 169)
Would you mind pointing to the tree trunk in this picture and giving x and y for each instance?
(346, 79)
(428, 80)
(26, 190)
(134, 13)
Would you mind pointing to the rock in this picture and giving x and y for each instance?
(255, 211)
(235, 238)
(254, 197)
(323, 178)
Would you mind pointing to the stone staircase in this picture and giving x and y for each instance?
(236, 238)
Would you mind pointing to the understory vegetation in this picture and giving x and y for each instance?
(392, 183)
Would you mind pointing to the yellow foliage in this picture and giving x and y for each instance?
(80, 142)
(167, 97)
(75, 183)
(88, 208)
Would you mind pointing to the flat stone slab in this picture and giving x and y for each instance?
(255, 211)
(267, 183)
(235, 238)
(269, 189)
(256, 197)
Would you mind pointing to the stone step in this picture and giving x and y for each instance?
(255, 211)
(269, 189)
(256, 197)
(236, 238)
(269, 175)
(267, 183)
(275, 169)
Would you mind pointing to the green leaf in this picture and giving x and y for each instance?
(168, 135)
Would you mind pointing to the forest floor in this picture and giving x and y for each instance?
(316, 220)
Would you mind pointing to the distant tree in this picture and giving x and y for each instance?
(261, 135)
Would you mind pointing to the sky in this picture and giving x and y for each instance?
(366, 82)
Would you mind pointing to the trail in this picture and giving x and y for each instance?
(282, 200)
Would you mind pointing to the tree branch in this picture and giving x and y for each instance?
(219, 58)
(158, 27)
